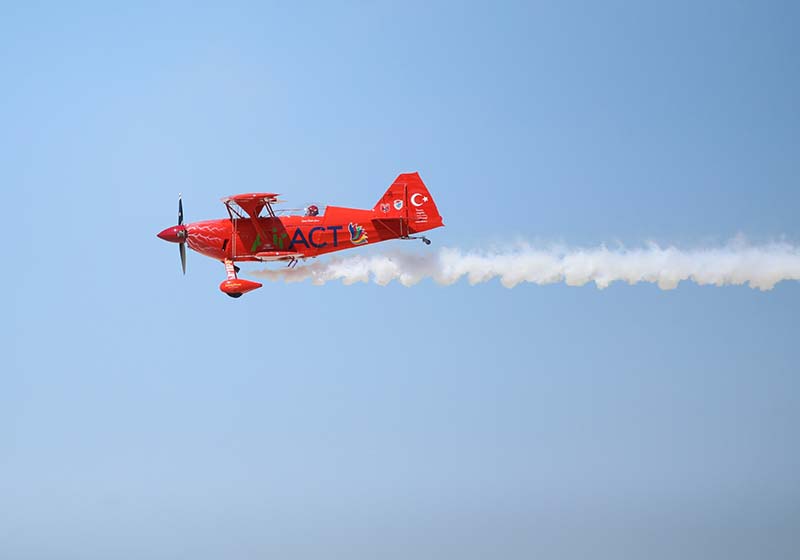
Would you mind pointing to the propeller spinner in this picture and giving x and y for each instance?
(177, 234)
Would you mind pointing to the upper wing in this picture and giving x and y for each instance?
(251, 203)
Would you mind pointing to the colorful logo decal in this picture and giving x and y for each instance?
(357, 234)
(398, 204)
(415, 199)
(385, 208)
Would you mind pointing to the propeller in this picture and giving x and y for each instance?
(177, 234)
(182, 246)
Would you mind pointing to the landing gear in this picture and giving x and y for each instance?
(233, 286)
(424, 239)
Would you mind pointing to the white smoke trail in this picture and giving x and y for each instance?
(736, 263)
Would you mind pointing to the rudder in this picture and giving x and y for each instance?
(409, 198)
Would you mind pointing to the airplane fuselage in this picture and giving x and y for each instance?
(404, 210)
(340, 228)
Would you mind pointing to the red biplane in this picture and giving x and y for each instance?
(254, 232)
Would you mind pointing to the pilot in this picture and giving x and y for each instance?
(312, 210)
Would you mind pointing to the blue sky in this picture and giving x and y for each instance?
(145, 414)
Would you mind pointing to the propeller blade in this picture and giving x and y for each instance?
(182, 247)
(180, 211)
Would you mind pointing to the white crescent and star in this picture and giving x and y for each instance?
(415, 201)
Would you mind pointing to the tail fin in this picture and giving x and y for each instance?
(409, 198)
